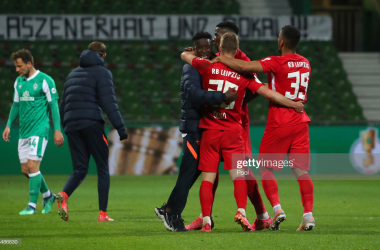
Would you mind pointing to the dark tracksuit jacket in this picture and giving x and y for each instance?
(192, 98)
(88, 91)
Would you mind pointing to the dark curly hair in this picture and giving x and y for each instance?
(24, 54)
(200, 35)
(229, 26)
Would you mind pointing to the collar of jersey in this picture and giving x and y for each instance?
(34, 75)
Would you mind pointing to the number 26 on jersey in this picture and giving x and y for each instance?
(227, 85)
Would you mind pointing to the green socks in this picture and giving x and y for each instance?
(34, 188)
(44, 187)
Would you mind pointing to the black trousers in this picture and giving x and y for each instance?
(188, 173)
(84, 143)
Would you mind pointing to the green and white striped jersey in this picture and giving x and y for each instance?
(33, 95)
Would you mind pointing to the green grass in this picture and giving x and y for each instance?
(346, 212)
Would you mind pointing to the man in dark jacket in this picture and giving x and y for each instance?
(193, 97)
(88, 91)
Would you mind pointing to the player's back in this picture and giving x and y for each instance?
(244, 111)
(288, 75)
(219, 77)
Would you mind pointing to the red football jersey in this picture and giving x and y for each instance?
(219, 77)
(288, 75)
(244, 112)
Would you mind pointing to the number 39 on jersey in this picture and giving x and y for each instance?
(300, 85)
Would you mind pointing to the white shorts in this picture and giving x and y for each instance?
(32, 148)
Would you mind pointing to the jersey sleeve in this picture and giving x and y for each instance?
(270, 64)
(15, 107)
(256, 78)
(16, 97)
(253, 85)
(201, 64)
(50, 89)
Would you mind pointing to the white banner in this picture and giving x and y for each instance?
(154, 27)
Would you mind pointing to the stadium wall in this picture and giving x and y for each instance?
(157, 150)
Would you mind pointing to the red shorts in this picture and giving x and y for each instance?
(294, 142)
(216, 144)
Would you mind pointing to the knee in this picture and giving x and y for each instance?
(298, 172)
(80, 173)
(238, 179)
(33, 166)
(31, 169)
(24, 171)
(262, 169)
(103, 171)
(267, 174)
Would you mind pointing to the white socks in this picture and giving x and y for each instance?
(46, 194)
(242, 211)
(308, 215)
(34, 174)
(206, 220)
(277, 207)
(264, 216)
(201, 216)
(33, 205)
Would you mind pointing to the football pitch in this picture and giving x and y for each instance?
(346, 212)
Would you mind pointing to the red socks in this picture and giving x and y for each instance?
(306, 190)
(270, 187)
(215, 186)
(206, 197)
(254, 194)
(240, 192)
(207, 194)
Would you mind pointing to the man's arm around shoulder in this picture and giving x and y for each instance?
(188, 56)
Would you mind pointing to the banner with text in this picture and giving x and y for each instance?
(344, 152)
(154, 27)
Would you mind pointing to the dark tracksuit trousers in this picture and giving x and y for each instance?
(188, 173)
(84, 143)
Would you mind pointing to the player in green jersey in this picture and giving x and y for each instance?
(35, 96)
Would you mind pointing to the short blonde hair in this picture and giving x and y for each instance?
(229, 43)
(98, 47)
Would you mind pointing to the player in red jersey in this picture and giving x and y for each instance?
(263, 220)
(223, 134)
(287, 132)
(220, 30)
